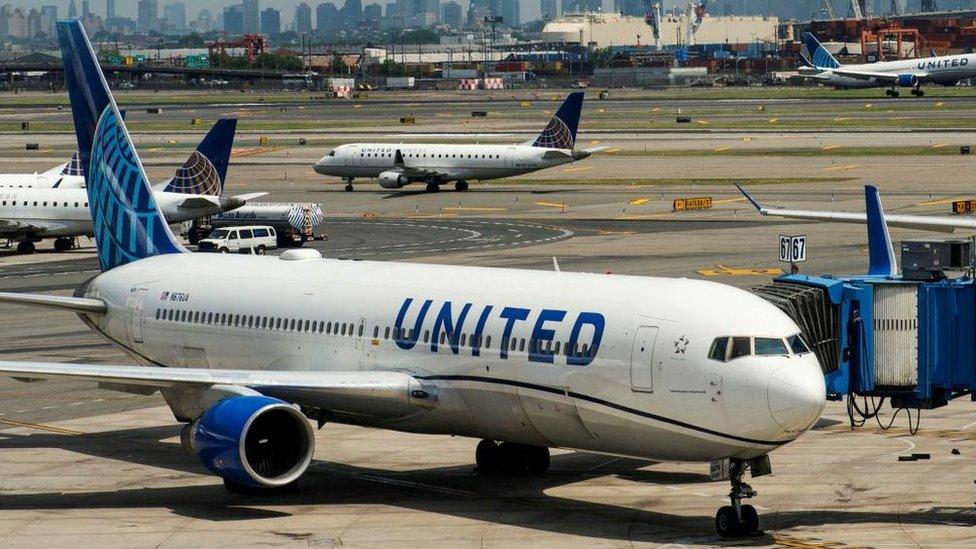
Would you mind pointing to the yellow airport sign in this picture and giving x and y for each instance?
(697, 203)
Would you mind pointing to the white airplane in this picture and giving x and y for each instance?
(398, 165)
(907, 221)
(64, 176)
(945, 70)
(665, 369)
(196, 190)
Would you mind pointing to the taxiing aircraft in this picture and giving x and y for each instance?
(658, 368)
(946, 70)
(196, 190)
(907, 221)
(397, 165)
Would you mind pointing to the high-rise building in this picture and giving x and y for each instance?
(49, 16)
(234, 19)
(303, 18)
(72, 10)
(577, 6)
(451, 14)
(109, 9)
(372, 14)
(174, 16)
(352, 13)
(85, 8)
(204, 22)
(147, 17)
(509, 11)
(549, 9)
(326, 18)
(252, 20)
(629, 7)
(270, 22)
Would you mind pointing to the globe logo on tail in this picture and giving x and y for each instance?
(73, 167)
(196, 176)
(556, 135)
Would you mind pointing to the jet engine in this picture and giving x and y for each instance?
(255, 441)
(393, 179)
(907, 80)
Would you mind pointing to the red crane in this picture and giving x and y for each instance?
(253, 45)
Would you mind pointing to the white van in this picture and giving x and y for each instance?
(252, 239)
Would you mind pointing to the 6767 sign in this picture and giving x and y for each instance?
(793, 249)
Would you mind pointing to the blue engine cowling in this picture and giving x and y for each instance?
(252, 440)
(907, 80)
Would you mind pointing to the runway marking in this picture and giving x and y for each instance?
(643, 216)
(551, 204)
(939, 104)
(840, 168)
(701, 121)
(608, 233)
(237, 153)
(773, 120)
(830, 147)
(432, 216)
(639, 201)
(41, 427)
(728, 200)
(938, 201)
(578, 169)
(973, 424)
(842, 119)
(721, 149)
(613, 150)
(940, 145)
(747, 139)
(473, 209)
(723, 270)
(805, 543)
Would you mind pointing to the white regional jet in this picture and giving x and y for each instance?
(396, 165)
(946, 70)
(665, 369)
(196, 190)
(64, 176)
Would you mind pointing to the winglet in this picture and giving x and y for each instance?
(205, 171)
(817, 54)
(126, 221)
(753, 201)
(881, 253)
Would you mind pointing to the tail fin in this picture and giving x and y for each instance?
(127, 223)
(814, 52)
(560, 132)
(205, 171)
(881, 253)
(73, 167)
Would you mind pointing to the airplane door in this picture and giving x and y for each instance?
(510, 157)
(642, 359)
(134, 317)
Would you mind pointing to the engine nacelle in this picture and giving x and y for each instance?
(907, 80)
(252, 440)
(393, 179)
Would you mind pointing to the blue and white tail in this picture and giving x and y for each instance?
(560, 132)
(881, 253)
(126, 221)
(205, 171)
(816, 55)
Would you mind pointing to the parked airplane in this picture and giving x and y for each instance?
(397, 165)
(657, 368)
(64, 176)
(922, 222)
(196, 190)
(946, 70)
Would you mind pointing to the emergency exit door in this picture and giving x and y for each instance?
(642, 359)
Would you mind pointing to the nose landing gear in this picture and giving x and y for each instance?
(348, 184)
(738, 520)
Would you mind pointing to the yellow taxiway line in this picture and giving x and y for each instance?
(473, 209)
(41, 427)
(639, 201)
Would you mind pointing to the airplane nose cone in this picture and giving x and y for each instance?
(320, 167)
(796, 396)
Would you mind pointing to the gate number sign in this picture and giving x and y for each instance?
(792, 249)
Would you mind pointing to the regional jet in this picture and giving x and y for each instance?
(525, 360)
(31, 214)
(946, 70)
(398, 165)
(64, 176)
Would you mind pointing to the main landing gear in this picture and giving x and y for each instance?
(739, 520)
(461, 186)
(918, 92)
(26, 247)
(348, 184)
(64, 244)
(433, 187)
(892, 92)
(510, 458)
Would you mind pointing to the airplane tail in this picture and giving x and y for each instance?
(881, 253)
(560, 132)
(126, 221)
(73, 166)
(817, 55)
(205, 171)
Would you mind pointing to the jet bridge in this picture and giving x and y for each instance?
(911, 341)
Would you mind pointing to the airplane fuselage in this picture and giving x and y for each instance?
(40, 181)
(943, 70)
(445, 162)
(606, 363)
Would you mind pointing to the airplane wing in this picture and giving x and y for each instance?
(882, 77)
(76, 304)
(374, 394)
(199, 202)
(922, 222)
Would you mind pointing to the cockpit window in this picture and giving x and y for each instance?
(719, 349)
(741, 346)
(797, 344)
(332, 153)
(766, 346)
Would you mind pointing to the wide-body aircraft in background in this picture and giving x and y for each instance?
(945, 70)
(396, 165)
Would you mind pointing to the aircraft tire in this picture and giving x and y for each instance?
(750, 520)
(538, 459)
(62, 244)
(487, 457)
(433, 187)
(348, 187)
(461, 186)
(26, 247)
(726, 523)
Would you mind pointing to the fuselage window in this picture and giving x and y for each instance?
(719, 349)
(443, 337)
(741, 346)
(343, 331)
(157, 314)
(376, 332)
(488, 342)
(464, 338)
(386, 333)
(328, 328)
(556, 350)
(426, 336)
(307, 324)
(291, 325)
(360, 331)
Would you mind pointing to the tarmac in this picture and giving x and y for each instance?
(84, 466)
